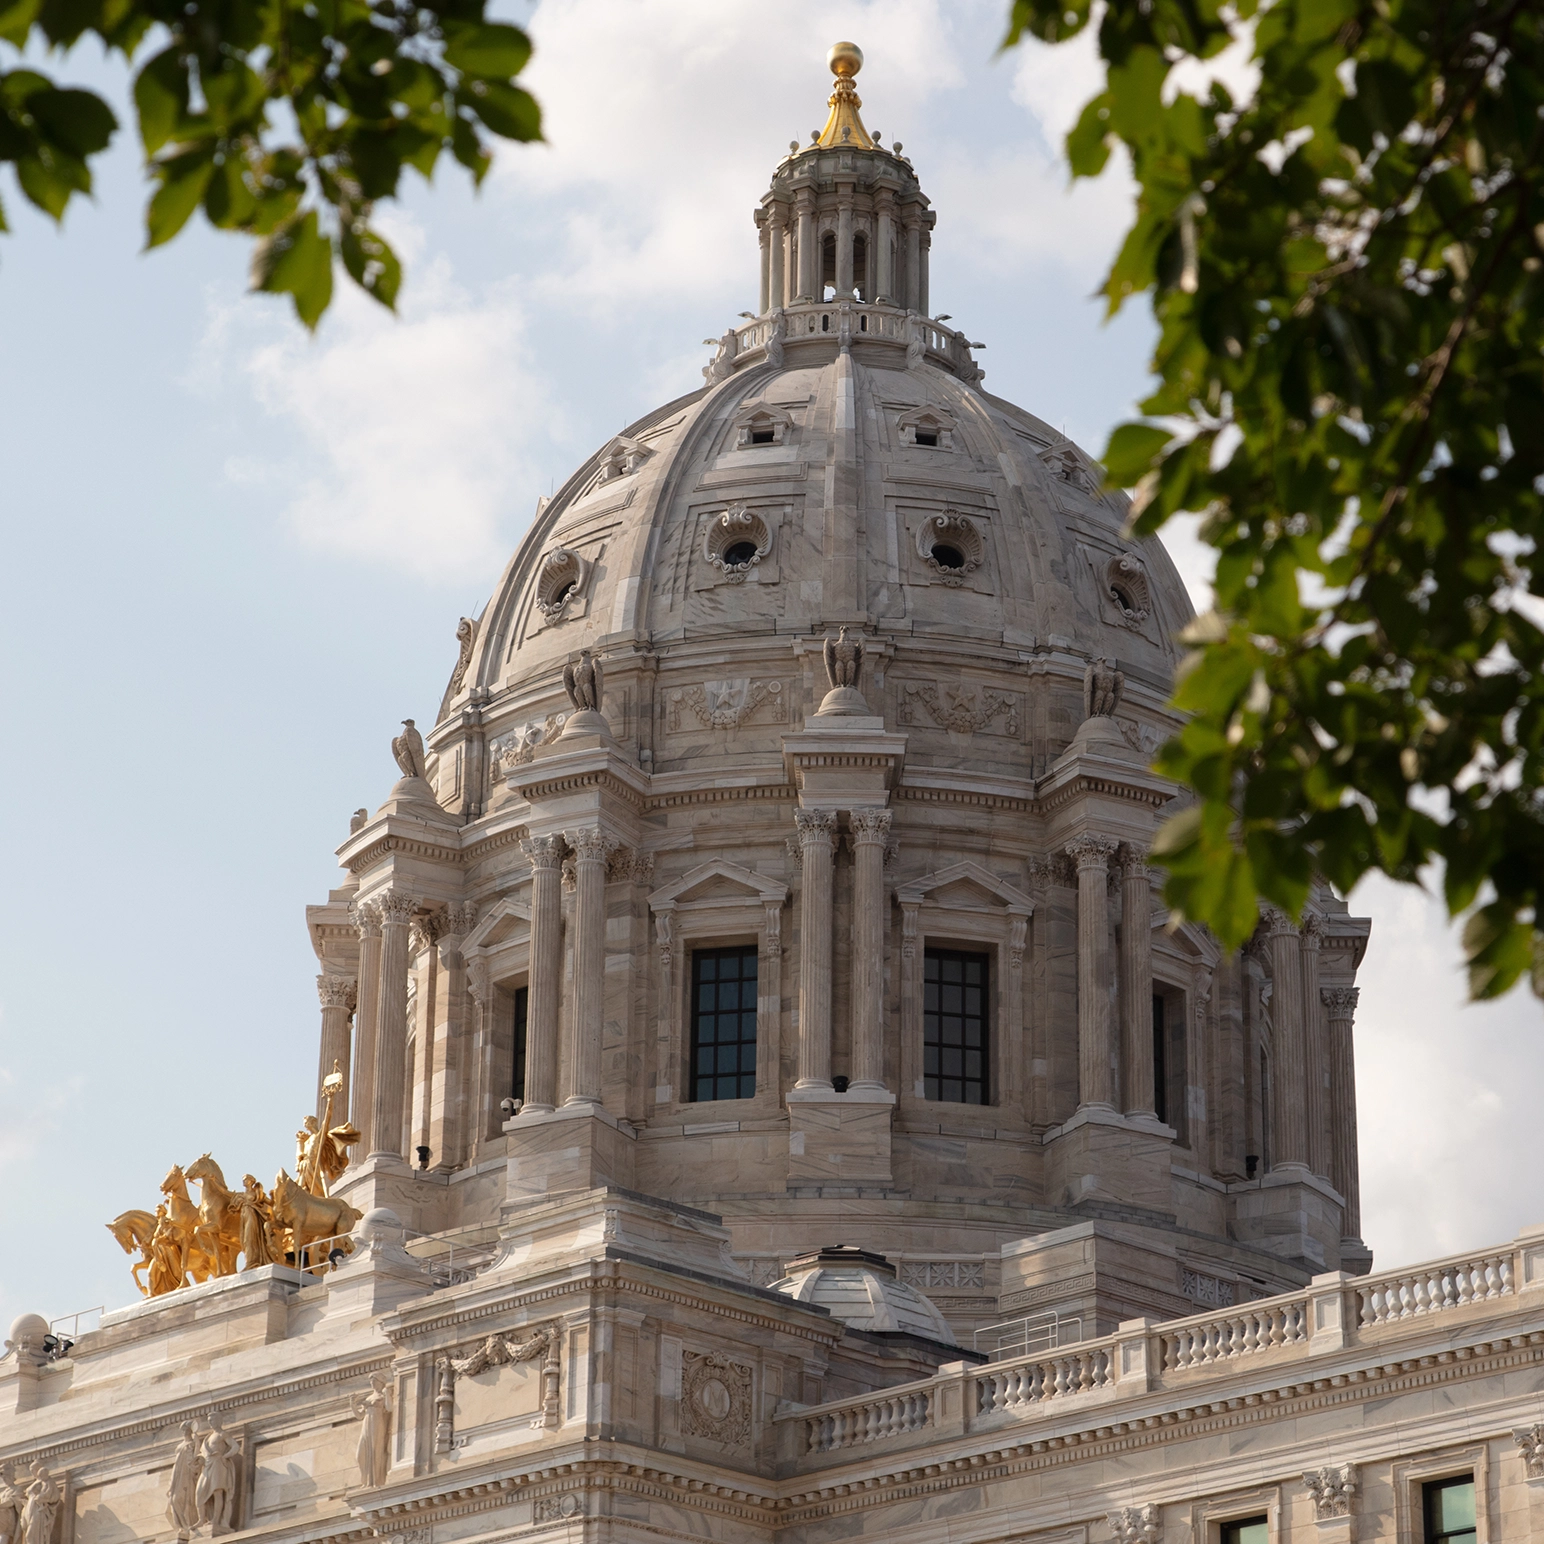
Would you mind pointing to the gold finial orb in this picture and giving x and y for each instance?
(845, 60)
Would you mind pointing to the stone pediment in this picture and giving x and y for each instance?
(719, 883)
(965, 886)
(504, 919)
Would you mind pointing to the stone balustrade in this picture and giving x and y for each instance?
(805, 321)
(1326, 1324)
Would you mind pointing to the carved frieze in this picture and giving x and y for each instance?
(727, 704)
(715, 1398)
(496, 1352)
(933, 1275)
(1530, 1443)
(961, 709)
(556, 1509)
(518, 747)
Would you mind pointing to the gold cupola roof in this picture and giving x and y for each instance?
(844, 127)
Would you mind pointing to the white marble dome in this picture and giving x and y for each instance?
(863, 1290)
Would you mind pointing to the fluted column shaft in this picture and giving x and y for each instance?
(367, 919)
(338, 995)
(1289, 1107)
(924, 246)
(844, 247)
(1096, 1071)
(390, 1093)
(808, 254)
(883, 261)
(766, 267)
(1136, 982)
(817, 828)
(1316, 1072)
(870, 832)
(913, 263)
(546, 980)
(590, 847)
(777, 290)
(1340, 1009)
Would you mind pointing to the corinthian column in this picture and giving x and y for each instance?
(884, 268)
(1340, 1008)
(1096, 1069)
(541, 1039)
(870, 830)
(1136, 981)
(367, 919)
(817, 835)
(808, 248)
(590, 849)
(338, 996)
(1289, 1110)
(391, 1029)
(844, 247)
(777, 284)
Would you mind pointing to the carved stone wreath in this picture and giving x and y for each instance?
(518, 747)
(954, 534)
(1125, 582)
(715, 1398)
(558, 582)
(727, 704)
(737, 527)
(960, 709)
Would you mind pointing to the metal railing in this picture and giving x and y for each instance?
(1022, 1337)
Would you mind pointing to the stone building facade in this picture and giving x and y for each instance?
(785, 1107)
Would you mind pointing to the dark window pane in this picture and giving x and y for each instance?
(1250, 1530)
(954, 1026)
(1450, 1515)
(724, 1023)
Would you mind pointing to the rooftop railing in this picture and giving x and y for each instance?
(1334, 1313)
(865, 320)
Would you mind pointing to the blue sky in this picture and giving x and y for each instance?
(234, 558)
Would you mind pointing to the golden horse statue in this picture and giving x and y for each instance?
(200, 1254)
(134, 1229)
(219, 1213)
(311, 1219)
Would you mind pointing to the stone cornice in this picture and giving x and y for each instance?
(537, 789)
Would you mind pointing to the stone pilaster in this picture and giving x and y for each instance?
(913, 259)
(1289, 1110)
(883, 277)
(1339, 1004)
(870, 832)
(1096, 1072)
(817, 838)
(338, 995)
(1315, 1052)
(765, 237)
(777, 283)
(1136, 982)
(454, 1073)
(389, 1093)
(590, 853)
(844, 245)
(367, 919)
(546, 985)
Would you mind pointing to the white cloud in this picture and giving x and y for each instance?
(409, 434)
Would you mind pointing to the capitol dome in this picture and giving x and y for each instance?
(778, 850)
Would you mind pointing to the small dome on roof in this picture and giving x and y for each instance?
(862, 1289)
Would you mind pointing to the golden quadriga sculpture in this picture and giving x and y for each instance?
(184, 1242)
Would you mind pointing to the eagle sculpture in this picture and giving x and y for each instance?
(408, 748)
(583, 683)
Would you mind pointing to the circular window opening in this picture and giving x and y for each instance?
(562, 593)
(948, 557)
(1122, 598)
(739, 553)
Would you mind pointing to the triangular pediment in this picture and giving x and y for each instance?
(720, 881)
(505, 920)
(968, 886)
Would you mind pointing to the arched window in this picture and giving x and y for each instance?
(828, 266)
(860, 279)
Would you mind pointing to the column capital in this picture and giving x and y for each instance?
(396, 906)
(1276, 923)
(870, 827)
(1091, 852)
(815, 826)
(337, 991)
(1339, 1000)
(544, 852)
(1132, 860)
(1312, 930)
(591, 844)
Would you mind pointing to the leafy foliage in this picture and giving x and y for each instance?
(360, 89)
(1346, 271)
